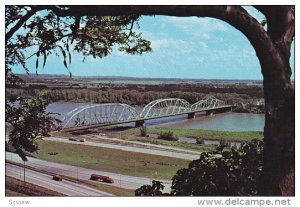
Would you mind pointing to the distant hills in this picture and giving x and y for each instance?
(34, 77)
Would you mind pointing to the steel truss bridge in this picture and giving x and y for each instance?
(99, 115)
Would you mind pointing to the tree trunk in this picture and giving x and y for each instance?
(279, 139)
(279, 133)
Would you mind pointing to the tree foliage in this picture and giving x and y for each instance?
(29, 121)
(233, 172)
(40, 30)
(169, 136)
(151, 190)
(47, 33)
(143, 131)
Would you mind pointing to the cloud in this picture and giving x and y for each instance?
(170, 43)
(199, 27)
(203, 45)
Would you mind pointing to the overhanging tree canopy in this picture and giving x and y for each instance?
(94, 30)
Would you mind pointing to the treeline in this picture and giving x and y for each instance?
(254, 91)
(243, 102)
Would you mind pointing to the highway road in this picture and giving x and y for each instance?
(131, 148)
(65, 187)
(114, 140)
(124, 181)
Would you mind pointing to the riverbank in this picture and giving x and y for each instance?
(230, 136)
(217, 135)
(207, 136)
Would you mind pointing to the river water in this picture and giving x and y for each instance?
(225, 121)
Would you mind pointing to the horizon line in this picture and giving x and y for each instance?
(133, 77)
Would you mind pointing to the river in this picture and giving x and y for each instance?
(226, 121)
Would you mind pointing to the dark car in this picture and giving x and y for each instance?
(72, 139)
(77, 139)
(57, 178)
(101, 178)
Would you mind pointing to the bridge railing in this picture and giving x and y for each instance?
(162, 107)
(94, 114)
(208, 102)
(99, 113)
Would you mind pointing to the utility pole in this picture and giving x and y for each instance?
(24, 171)
(77, 173)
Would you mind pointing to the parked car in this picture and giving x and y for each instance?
(101, 178)
(57, 178)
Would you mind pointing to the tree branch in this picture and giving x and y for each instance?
(281, 28)
(130, 30)
(22, 20)
(234, 15)
(281, 21)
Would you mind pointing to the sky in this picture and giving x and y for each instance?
(183, 47)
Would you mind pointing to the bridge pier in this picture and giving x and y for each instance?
(210, 113)
(191, 115)
(140, 123)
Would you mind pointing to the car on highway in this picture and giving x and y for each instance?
(77, 139)
(81, 139)
(57, 178)
(72, 139)
(101, 178)
(102, 135)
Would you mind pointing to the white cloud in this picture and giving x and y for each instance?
(206, 36)
(203, 45)
(170, 44)
(200, 27)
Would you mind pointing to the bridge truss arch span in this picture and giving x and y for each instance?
(95, 114)
(208, 102)
(165, 107)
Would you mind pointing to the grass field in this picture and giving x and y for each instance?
(136, 137)
(175, 144)
(111, 160)
(133, 134)
(237, 136)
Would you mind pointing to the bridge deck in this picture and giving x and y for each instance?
(80, 128)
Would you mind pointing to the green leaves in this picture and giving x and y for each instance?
(222, 173)
(45, 58)
(151, 190)
(169, 136)
(89, 35)
(30, 121)
(263, 22)
(64, 55)
(233, 172)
